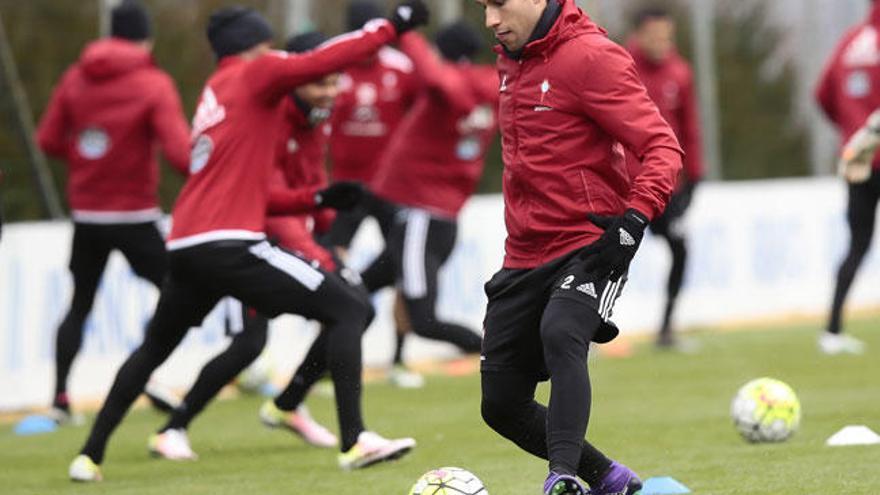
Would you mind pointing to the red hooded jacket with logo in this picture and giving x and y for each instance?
(104, 119)
(569, 106)
(300, 164)
(374, 97)
(436, 157)
(236, 130)
(670, 84)
(849, 90)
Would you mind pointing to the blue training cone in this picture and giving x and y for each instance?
(663, 485)
(35, 424)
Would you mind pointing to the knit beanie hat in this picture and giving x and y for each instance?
(233, 30)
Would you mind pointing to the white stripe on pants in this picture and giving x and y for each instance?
(301, 271)
(415, 284)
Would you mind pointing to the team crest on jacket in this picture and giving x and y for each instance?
(503, 87)
(93, 143)
(545, 88)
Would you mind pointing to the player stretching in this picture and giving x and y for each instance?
(571, 100)
(104, 119)
(217, 245)
(375, 96)
(848, 93)
(430, 169)
(300, 157)
(668, 79)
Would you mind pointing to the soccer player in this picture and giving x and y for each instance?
(571, 101)
(217, 245)
(848, 93)
(104, 119)
(375, 95)
(431, 168)
(669, 81)
(455, 113)
(300, 157)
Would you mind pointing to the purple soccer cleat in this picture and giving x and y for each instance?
(563, 484)
(619, 480)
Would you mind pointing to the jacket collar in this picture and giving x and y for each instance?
(542, 29)
(561, 21)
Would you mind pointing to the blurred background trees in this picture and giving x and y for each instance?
(762, 126)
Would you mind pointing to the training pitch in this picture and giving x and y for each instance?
(662, 414)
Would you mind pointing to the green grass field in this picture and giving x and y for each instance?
(662, 414)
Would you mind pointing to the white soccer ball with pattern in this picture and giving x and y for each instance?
(766, 410)
(449, 481)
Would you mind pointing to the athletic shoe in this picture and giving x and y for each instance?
(161, 398)
(834, 343)
(63, 417)
(671, 343)
(563, 484)
(372, 448)
(619, 480)
(401, 377)
(84, 469)
(299, 422)
(172, 445)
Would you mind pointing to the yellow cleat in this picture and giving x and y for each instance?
(372, 449)
(84, 469)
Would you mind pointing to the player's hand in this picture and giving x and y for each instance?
(409, 15)
(857, 158)
(343, 195)
(610, 256)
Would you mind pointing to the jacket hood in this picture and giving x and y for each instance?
(571, 23)
(113, 57)
(874, 17)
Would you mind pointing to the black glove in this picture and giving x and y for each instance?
(409, 15)
(610, 256)
(340, 196)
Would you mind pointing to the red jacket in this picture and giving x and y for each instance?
(849, 90)
(236, 129)
(300, 164)
(435, 158)
(104, 119)
(670, 85)
(375, 95)
(568, 107)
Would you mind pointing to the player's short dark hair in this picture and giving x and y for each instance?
(646, 14)
(304, 42)
(359, 12)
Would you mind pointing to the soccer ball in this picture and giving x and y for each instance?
(448, 481)
(256, 377)
(766, 410)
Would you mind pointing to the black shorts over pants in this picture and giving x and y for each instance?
(518, 299)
